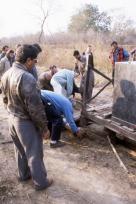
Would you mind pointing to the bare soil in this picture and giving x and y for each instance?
(84, 171)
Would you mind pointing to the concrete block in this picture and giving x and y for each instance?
(124, 94)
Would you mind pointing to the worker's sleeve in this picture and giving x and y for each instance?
(68, 113)
(31, 97)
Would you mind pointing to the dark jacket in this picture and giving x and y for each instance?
(22, 96)
(33, 71)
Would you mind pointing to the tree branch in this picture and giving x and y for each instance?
(45, 15)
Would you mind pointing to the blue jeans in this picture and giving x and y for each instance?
(55, 121)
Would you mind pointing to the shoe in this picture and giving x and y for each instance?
(57, 144)
(48, 184)
(23, 180)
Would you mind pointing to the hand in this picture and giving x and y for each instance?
(46, 135)
(80, 133)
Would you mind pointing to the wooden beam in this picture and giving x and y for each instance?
(114, 126)
(83, 120)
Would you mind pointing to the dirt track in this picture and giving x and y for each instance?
(84, 172)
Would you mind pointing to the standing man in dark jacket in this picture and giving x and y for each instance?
(27, 119)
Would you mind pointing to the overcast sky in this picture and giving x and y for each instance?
(18, 17)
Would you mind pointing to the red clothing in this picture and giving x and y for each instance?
(117, 55)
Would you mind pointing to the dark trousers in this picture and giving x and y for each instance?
(28, 150)
(113, 74)
(55, 121)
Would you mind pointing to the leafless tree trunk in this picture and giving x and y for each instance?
(45, 15)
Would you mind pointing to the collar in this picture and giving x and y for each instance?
(20, 66)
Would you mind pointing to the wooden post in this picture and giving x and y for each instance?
(83, 119)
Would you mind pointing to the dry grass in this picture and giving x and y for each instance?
(62, 56)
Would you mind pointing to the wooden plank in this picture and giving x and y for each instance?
(114, 126)
(124, 123)
(127, 128)
(97, 108)
(107, 115)
(125, 133)
(110, 124)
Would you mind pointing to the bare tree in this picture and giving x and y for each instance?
(43, 19)
(44, 9)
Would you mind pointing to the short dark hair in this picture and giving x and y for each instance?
(18, 45)
(38, 47)
(76, 52)
(9, 52)
(52, 66)
(4, 47)
(24, 52)
(114, 43)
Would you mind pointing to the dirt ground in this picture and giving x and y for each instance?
(84, 171)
